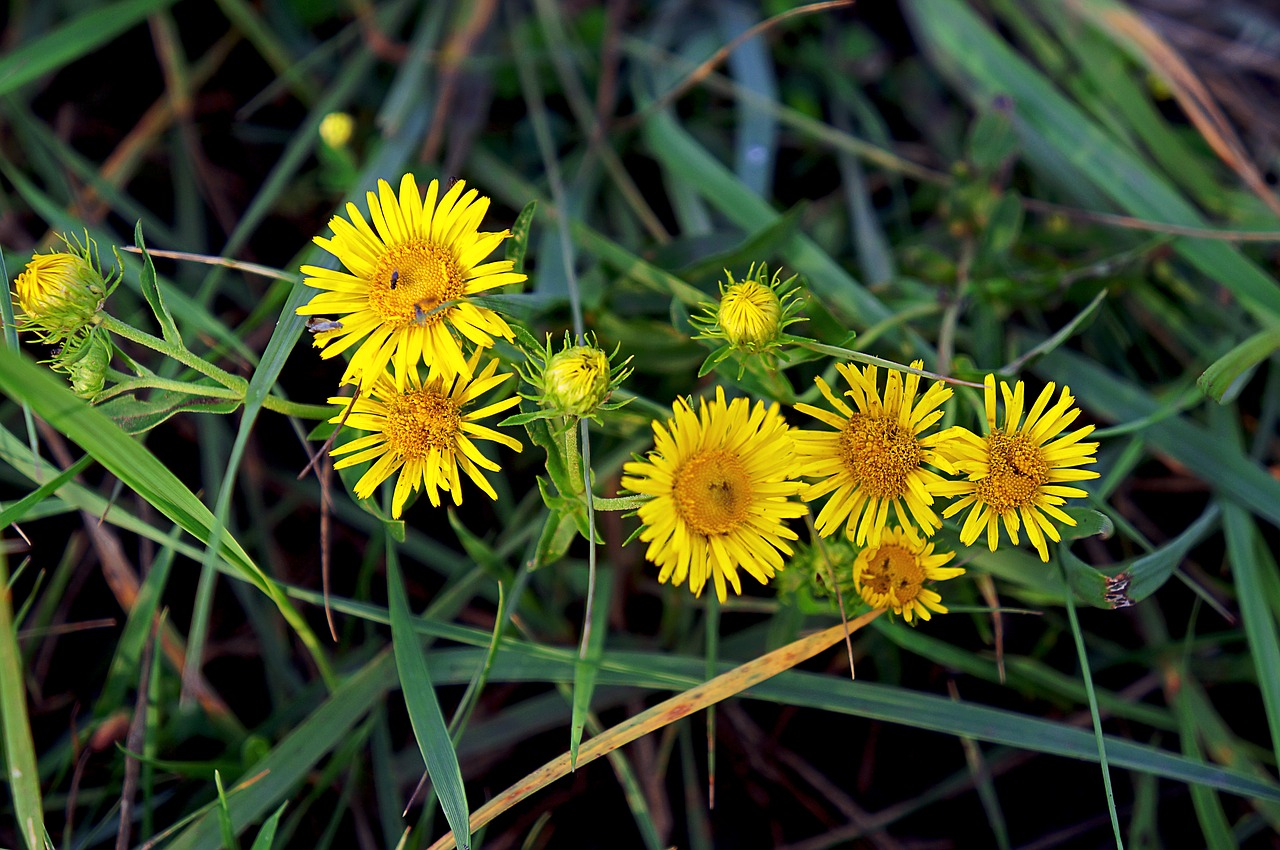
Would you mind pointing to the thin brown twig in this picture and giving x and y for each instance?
(1131, 223)
(210, 260)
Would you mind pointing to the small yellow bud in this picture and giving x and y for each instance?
(749, 314)
(336, 129)
(577, 380)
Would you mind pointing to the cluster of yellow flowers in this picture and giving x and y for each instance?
(723, 481)
(724, 477)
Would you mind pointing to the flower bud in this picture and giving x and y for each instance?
(749, 314)
(576, 381)
(86, 361)
(336, 129)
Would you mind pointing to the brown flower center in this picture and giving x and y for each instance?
(421, 420)
(411, 280)
(880, 454)
(712, 492)
(1018, 470)
(893, 571)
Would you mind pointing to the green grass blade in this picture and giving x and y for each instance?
(71, 41)
(1260, 628)
(424, 709)
(267, 835)
(19, 749)
(290, 762)
(137, 631)
(19, 509)
(1226, 376)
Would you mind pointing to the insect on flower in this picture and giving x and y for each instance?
(317, 325)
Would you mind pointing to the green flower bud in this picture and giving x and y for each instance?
(86, 362)
(576, 381)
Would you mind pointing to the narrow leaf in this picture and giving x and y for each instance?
(151, 291)
(424, 709)
(1226, 377)
(19, 748)
(588, 665)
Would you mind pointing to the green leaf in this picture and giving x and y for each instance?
(71, 41)
(137, 416)
(151, 291)
(15, 512)
(23, 779)
(424, 709)
(518, 244)
(558, 532)
(267, 835)
(1088, 523)
(1227, 376)
(1134, 579)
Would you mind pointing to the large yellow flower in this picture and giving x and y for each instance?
(875, 459)
(1017, 471)
(892, 574)
(422, 431)
(410, 275)
(721, 486)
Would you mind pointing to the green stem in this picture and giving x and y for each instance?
(155, 383)
(177, 352)
(297, 408)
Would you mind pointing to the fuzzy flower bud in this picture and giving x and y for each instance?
(86, 361)
(749, 314)
(576, 380)
(336, 129)
(751, 318)
(60, 295)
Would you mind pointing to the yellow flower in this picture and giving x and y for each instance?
(422, 431)
(61, 293)
(410, 275)
(876, 457)
(576, 380)
(749, 313)
(721, 486)
(1017, 471)
(892, 574)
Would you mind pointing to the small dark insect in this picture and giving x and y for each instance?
(395, 277)
(424, 308)
(318, 325)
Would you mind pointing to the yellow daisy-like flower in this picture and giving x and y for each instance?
(1016, 472)
(721, 486)
(876, 458)
(410, 274)
(422, 431)
(892, 574)
(61, 293)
